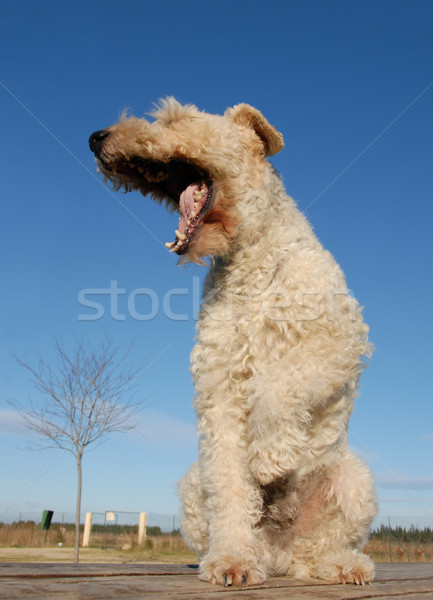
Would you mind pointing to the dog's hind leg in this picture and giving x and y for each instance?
(334, 523)
(194, 525)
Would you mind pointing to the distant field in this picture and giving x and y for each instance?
(394, 551)
(25, 542)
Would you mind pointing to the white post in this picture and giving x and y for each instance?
(87, 529)
(142, 524)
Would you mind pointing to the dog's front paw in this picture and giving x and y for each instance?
(230, 570)
(358, 569)
(346, 567)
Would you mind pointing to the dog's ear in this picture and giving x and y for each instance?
(244, 114)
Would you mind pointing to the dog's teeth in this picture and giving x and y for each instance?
(200, 193)
(179, 235)
(168, 244)
(176, 246)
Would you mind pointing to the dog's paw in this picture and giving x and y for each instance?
(358, 569)
(348, 567)
(228, 571)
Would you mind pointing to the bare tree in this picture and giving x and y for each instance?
(85, 395)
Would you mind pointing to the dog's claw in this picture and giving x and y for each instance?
(225, 579)
(244, 580)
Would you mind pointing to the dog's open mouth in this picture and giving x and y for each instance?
(183, 184)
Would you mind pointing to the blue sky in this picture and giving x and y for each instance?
(347, 83)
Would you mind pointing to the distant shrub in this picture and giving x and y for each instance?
(148, 544)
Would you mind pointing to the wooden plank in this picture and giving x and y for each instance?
(167, 582)
(410, 570)
(93, 569)
(415, 596)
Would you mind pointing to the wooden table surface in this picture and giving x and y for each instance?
(64, 581)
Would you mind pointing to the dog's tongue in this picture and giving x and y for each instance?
(191, 203)
(189, 206)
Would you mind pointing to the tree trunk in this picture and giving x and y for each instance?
(78, 511)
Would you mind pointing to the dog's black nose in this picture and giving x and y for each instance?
(95, 140)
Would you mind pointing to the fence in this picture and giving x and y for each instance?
(165, 522)
(112, 529)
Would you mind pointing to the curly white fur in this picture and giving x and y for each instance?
(279, 352)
